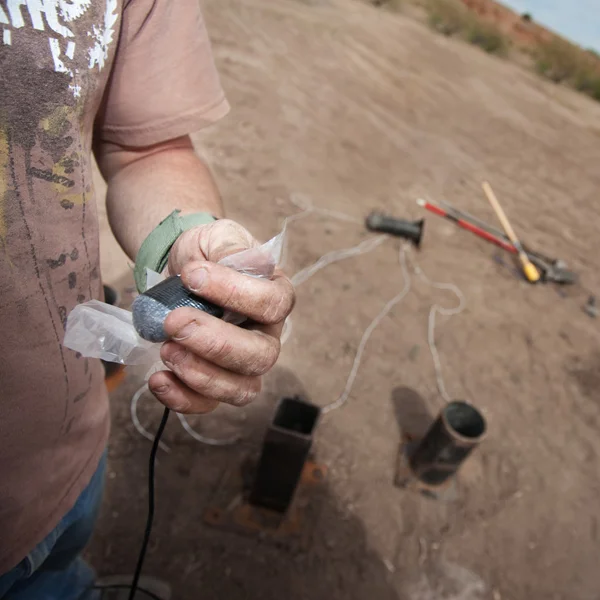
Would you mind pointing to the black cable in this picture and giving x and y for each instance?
(150, 519)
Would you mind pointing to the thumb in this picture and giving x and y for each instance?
(234, 247)
(211, 242)
(224, 238)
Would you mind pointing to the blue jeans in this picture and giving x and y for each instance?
(54, 570)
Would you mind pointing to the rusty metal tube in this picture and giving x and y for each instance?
(285, 449)
(456, 432)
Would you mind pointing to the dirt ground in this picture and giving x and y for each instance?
(357, 109)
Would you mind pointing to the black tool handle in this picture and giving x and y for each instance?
(412, 230)
(151, 308)
(173, 294)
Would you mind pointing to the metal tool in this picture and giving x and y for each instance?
(551, 269)
(463, 214)
(499, 241)
(529, 269)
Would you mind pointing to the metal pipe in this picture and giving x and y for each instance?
(455, 433)
(285, 449)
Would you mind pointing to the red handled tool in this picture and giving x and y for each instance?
(482, 233)
(552, 270)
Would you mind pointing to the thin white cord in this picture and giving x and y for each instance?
(336, 256)
(136, 422)
(305, 204)
(287, 331)
(306, 208)
(367, 334)
(184, 422)
(204, 439)
(435, 309)
(448, 312)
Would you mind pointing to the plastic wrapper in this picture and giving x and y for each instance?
(98, 330)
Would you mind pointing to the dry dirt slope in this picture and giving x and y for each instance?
(355, 109)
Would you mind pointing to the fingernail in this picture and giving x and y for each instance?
(161, 389)
(197, 279)
(185, 332)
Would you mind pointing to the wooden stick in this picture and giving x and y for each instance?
(531, 273)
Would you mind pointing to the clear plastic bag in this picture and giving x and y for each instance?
(99, 330)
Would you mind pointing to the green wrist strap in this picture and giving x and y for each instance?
(154, 252)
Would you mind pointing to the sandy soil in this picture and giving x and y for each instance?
(357, 109)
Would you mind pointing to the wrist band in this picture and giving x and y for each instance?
(154, 251)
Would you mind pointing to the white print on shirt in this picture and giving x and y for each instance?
(103, 36)
(73, 9)
(49, 14)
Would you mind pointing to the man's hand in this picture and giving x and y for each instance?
(212, 361)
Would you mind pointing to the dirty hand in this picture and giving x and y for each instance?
(212, 361)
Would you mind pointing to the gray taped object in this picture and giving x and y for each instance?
(151, 308)
(148, 318)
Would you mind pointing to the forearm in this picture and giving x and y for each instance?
(209, 360)
(145, 186)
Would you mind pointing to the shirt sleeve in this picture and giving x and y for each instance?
(164, 83)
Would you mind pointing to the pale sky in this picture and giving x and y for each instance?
(577, 20)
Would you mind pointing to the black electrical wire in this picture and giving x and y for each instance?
(134, 587)
(150, 519)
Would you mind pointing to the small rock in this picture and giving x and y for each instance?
(388, 565)
(591, 309)
(414, 352)
(560, 264)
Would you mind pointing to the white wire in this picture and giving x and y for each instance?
(204, 439)
(306, 208)
(286, 331)
(184, 422)
(136, 422)
(336, 256)
(305, 205)
(448, 312)
(367, 334)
